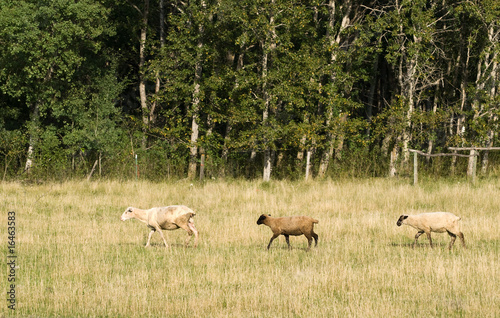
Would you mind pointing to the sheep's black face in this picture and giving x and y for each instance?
(401, 218)
(261, 219)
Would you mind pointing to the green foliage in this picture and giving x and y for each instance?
(47, 45)
(356, 79)
(12, 149)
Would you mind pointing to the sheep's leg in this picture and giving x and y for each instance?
(186, 242)
(149, 237)
(287, 238)
(416, 238)
(452, 241)
(309, 241)
(185, 226)
(190, 229)
(429, 237)
(462, 239)
(195, 232)
(272, 239)
(163, 237)
(315, 236)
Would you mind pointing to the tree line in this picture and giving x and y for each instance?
(231, 88)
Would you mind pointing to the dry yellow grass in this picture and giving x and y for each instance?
(77, 259)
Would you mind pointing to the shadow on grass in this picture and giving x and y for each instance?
(285, 248)
(418, 245)
(157, 245)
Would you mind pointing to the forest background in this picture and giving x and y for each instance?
(239, 88)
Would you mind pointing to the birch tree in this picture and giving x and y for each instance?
(341, 16)
(411, 37)
(486, 101)
(142, 70)
(268, 45)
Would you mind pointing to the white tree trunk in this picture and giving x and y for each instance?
(267, 166)
(481, 82)
(142, 76)
(463, 99)
(328, 152)
(392, 163)
(267, 152)
(29, 156)
(152, 116)
(268, 46)
(408, 84)
(35, 117)
(493, 119)
(193, 149)
(308, 164)
(334, 40)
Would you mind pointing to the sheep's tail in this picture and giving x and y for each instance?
(315, 221)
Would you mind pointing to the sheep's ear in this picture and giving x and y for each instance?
(405, 217)
(269, 215)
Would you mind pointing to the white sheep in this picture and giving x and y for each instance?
(438, 222)
(291, 225)
(165, 218)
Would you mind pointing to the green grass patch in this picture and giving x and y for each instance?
(77, 259)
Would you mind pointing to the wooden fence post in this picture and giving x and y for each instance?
(415, 168)
(136, 168)
(474, 164)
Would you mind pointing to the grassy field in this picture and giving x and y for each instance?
(77, 259)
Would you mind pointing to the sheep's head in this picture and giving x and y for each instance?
(401, 218)
(261, 219)
(127, 214)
